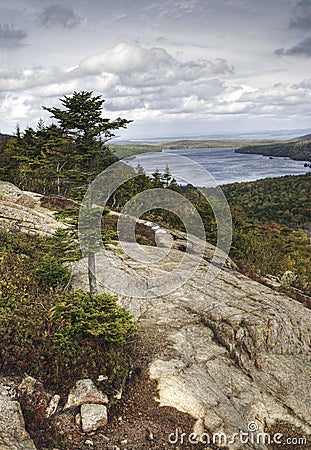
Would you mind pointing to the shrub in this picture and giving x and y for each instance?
(56, 337)
(78, 316)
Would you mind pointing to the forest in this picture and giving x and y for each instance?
(299, 149)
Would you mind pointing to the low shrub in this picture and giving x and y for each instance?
(54, 336)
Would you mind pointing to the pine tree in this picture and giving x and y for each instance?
(81, 120)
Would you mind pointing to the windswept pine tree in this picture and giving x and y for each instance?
(64, 157)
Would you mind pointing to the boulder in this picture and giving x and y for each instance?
(22, 211)
(13, 435)
(85, 392)
(93, 417)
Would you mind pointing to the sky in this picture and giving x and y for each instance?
(175, 67)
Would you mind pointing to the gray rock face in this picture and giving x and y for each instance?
(93, 417)
(85, 392)
(13, 435)
(21, 210)
(234, 351)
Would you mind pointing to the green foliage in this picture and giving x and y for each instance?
(62, 158)
(81, 117)
(300, 150)
(54, 336)
(50, 273)
(285, 200)
(77, 316)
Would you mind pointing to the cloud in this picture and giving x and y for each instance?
(15, 107)
(125, 58)
(60, 15)
(16, 79)
(11, 36)
(280, 100)
(301, 15)
(148, 66)
(303, 48)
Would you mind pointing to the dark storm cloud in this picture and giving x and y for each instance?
(60, 15)
(11, 36)
(302, 15)
(303, 48)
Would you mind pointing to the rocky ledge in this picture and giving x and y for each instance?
(235, 354)
(21, 210)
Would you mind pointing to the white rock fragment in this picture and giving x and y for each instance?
(118, 395)
(93, 416)
(102, 378)
(51, 409)
(27, 385)
(78, 419)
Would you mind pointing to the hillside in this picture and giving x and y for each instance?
(208, 357)
(299, 149)
(285, 200)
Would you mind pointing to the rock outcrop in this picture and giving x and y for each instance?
(13, 435)
(20, 210)
(234, 352)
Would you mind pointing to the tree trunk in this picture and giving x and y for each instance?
(92, 274)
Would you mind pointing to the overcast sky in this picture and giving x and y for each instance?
(177, 67)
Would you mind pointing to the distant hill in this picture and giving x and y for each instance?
(298, 148)
(306, 137)
(128, 149)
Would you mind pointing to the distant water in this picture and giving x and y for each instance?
(223, 163)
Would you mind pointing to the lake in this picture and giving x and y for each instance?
(223, 164)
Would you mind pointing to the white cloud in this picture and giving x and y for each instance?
(15, 79)
(15, 107)
(150, 83)
(140, 66)
(124, 58)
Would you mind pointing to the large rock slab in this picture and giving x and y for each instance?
(233, 351)
(21, 211)
(13, 435)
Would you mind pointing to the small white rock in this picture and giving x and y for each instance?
(118, 395)
(51, 409)
(78, 419)
(102, 378)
